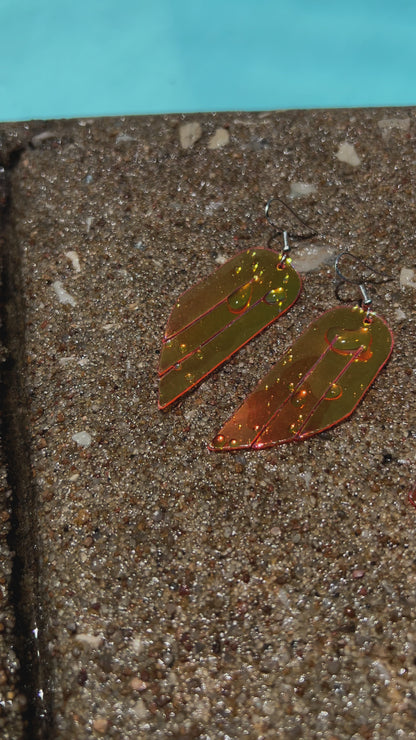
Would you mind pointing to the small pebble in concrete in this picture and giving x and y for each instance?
(189, 133)
(62, 294)
(346, 153)
(92, 641)
(124, 139)
(387, 125)
(399, 314)
(358, 573)
(220, 138)
(71, 359)
(100, 725)
(137, 684)
(382, 671)
(310, 258)
(301, 189)
(140, 709)
(38, 139)
(83, 439)
(137, 644)
(73, 258)
(407, 278)
(221, 259)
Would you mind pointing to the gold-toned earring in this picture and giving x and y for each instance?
(318, 381)
(221, 313)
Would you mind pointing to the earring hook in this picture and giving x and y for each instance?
(285, 232)
(366, 299)
(278, 229)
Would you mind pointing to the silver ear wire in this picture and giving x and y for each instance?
(278, 229)
(366, 299)
(285, 232)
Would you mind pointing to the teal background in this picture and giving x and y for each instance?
(103, 57)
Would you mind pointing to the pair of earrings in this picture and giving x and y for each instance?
(316, 383)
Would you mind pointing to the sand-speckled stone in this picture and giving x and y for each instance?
(253, 595)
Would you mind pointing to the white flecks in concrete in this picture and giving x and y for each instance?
(67, 360)
(220, 138)
(43, 136)
(191, 414)
(300, 189)
(92, 641)
(400, 314)
(189, 133)
(346, 153)
(140, 709)
(407, 278)
(124, 139)
(112, 325)
(387, 125)
(88, 222)
(308, 258)
(63, 295)
(283, 596)
(83, 439)
(382, 671)
(72, 360)
(307, 477)
(221, 259)
(213, 206)
(137, 644)
(73, 258)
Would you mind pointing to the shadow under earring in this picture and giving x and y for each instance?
(220, 314)
(317, 383)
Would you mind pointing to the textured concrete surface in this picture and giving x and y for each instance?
(185, 594)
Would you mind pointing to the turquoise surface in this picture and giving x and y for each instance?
(109, 57)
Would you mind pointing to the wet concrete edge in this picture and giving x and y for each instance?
(24, 597)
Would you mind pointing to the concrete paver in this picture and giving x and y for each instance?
(186, 594)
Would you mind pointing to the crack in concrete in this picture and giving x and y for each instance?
(25, 585)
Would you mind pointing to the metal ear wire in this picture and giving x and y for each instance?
(284, 232)
(366, 299)
(278, 229)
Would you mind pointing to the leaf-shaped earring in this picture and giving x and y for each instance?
(218, 315)
(319, 380)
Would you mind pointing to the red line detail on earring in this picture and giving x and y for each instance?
(301, 382)
(338, 377)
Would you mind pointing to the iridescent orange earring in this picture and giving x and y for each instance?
(319, 380)
(220, 314)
